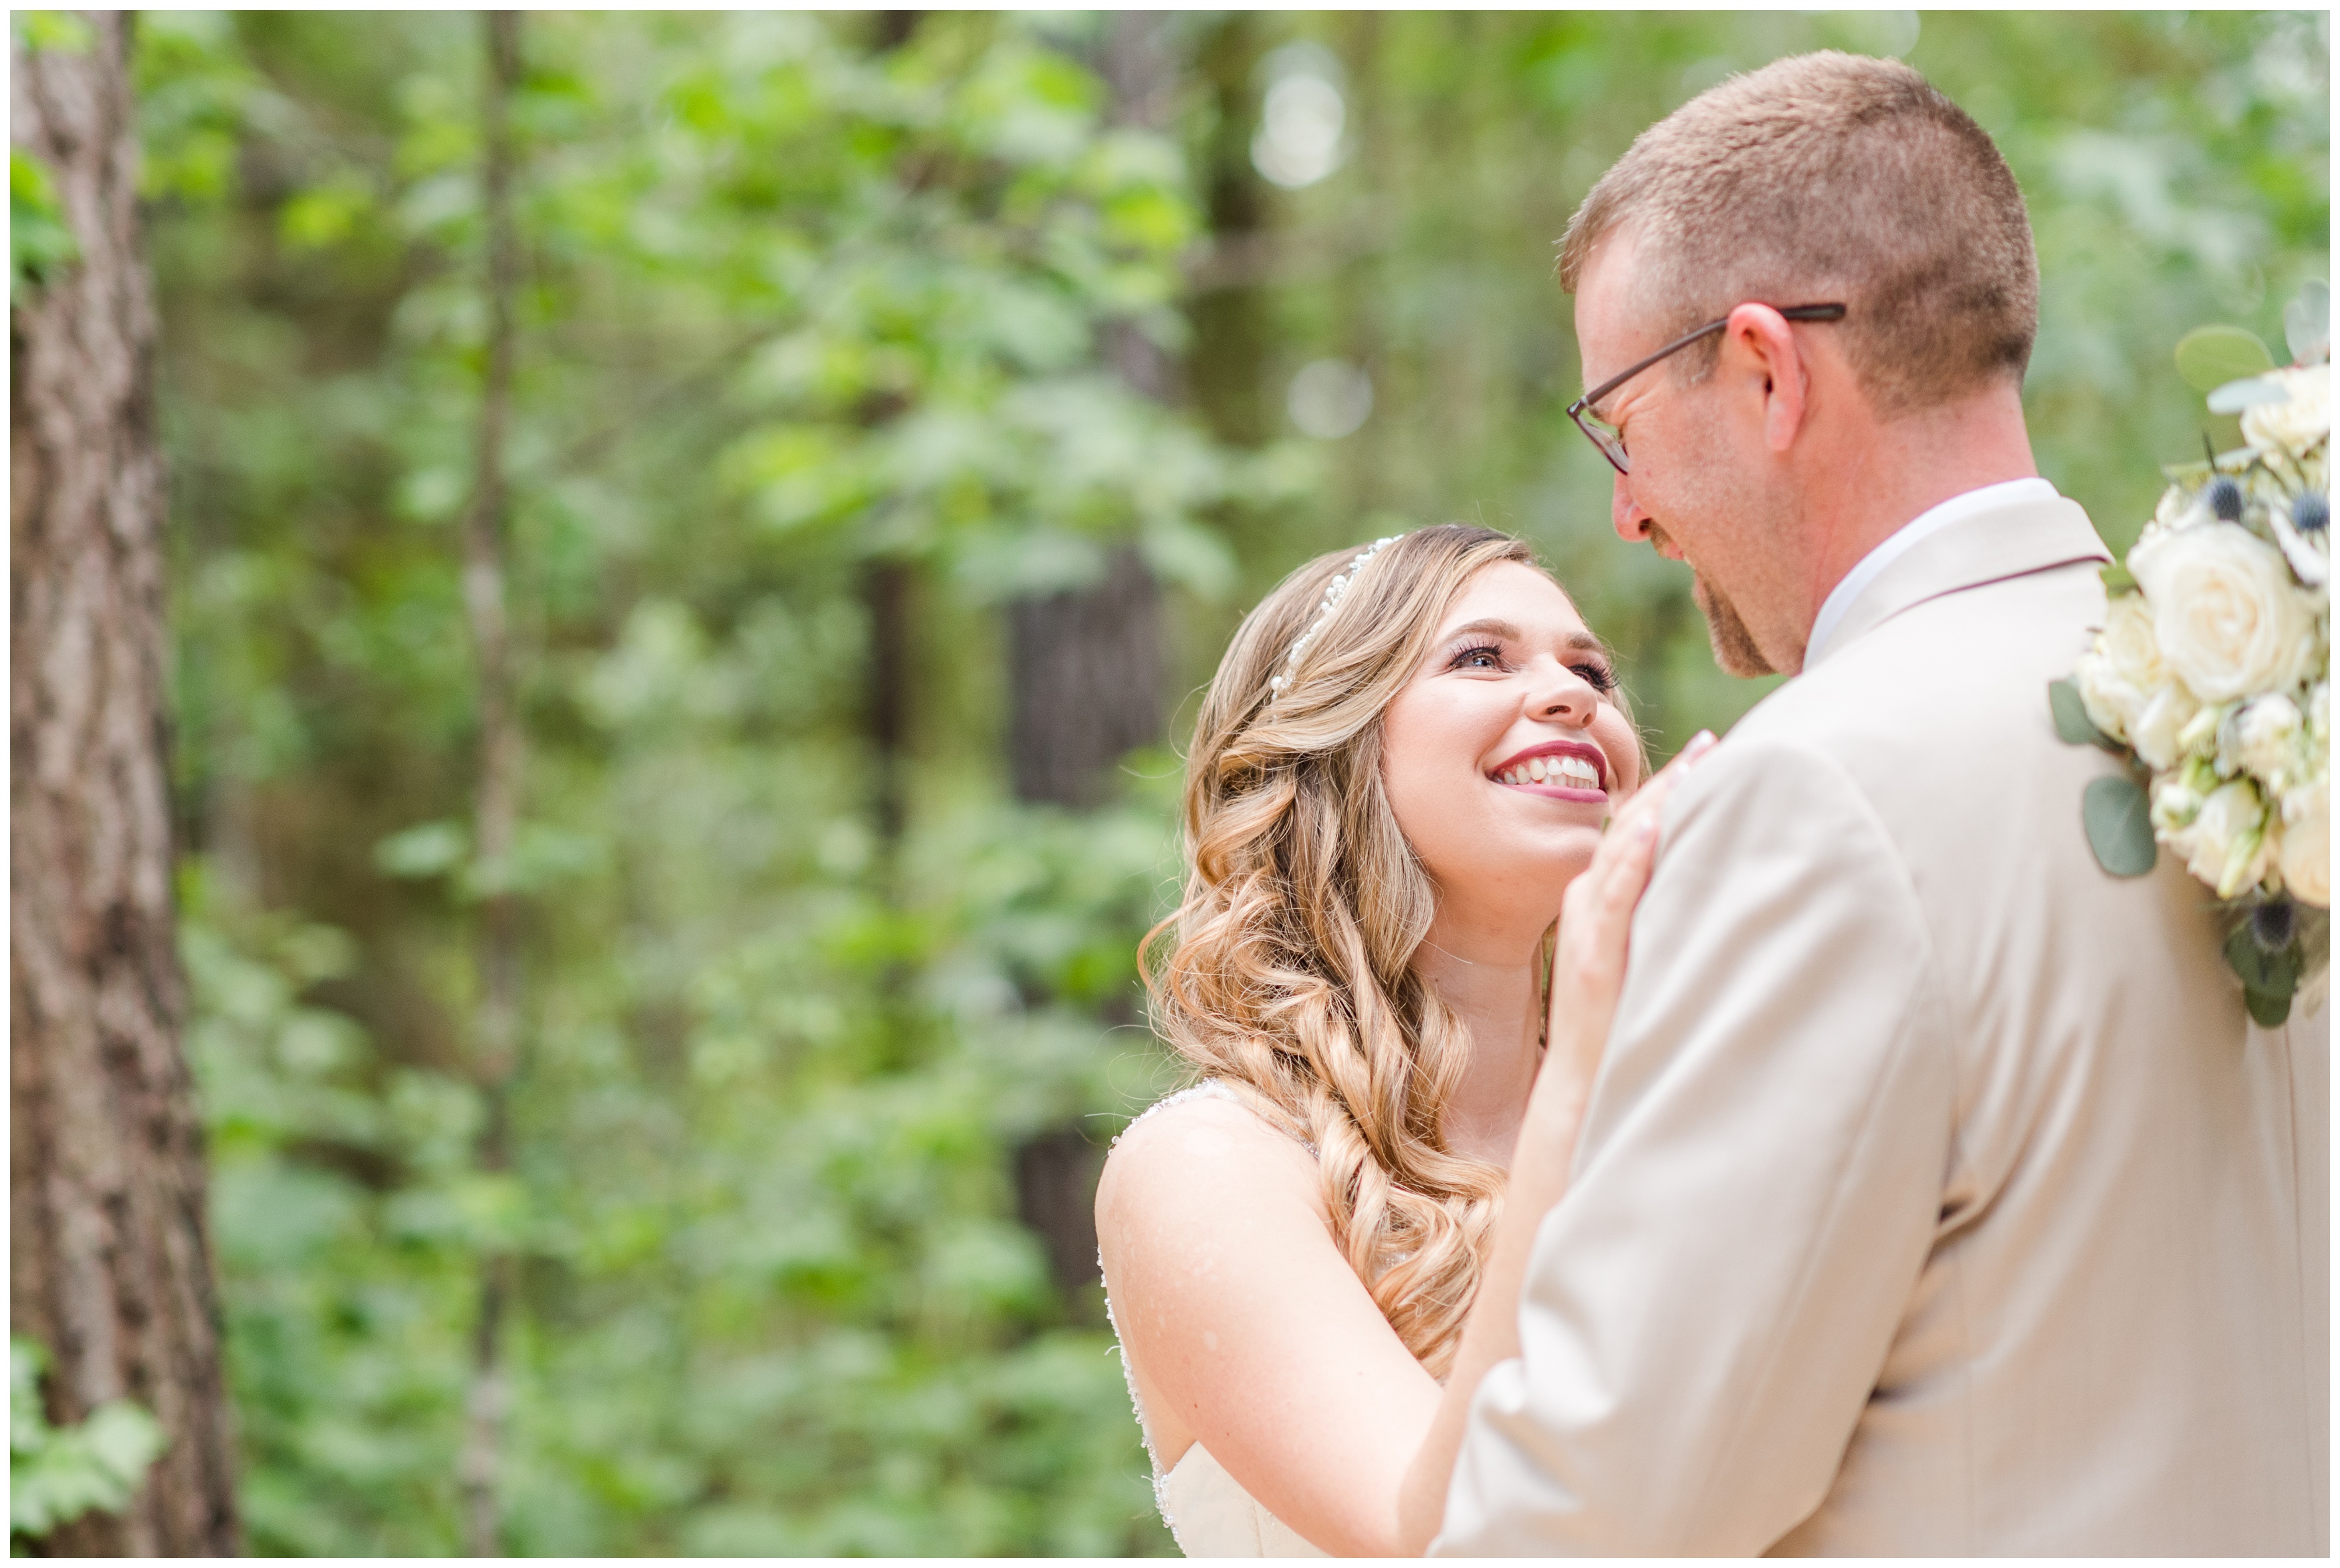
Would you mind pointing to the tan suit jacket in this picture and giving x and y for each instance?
(1937, 1195)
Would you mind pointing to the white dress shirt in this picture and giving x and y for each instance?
(1924, 525)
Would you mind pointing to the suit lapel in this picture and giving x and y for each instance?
(2010, 542)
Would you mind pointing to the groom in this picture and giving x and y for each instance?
(1937, 1195)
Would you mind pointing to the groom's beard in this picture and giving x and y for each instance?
(1734, 643)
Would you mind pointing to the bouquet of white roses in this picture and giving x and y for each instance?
(2212, 673)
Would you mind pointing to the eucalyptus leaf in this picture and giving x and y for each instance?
(2113, 810)
(2073, 725)
(2210, 357)
(2308, 324)
(2268, 973)
(2267, 1009)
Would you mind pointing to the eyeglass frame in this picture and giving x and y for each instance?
(1601, 438)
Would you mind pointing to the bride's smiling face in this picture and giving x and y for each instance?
(1505, 751)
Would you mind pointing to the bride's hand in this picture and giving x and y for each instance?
(1588, 966)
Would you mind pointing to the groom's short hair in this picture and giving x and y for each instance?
(1832, 177)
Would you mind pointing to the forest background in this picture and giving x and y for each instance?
(656, 1044)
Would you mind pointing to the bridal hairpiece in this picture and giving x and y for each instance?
(1332, 592)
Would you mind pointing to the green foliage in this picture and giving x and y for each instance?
(2073, 725)
(2114, 813)
(39, 243)
(51, 32)
(58, 1473)
(802, 300)
(791, 305)
(2270, 974)
(2210, 357)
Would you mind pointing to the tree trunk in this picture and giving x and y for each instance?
(1226, 363)
(496, 800)
(110, 1263)
(1086, 667)
(1086, 672)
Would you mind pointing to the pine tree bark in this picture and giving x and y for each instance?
(110, 1260)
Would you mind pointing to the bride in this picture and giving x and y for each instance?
(1398, 781)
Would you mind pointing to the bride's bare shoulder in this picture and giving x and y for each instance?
(1203, 1158)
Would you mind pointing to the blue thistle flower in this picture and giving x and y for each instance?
(2311, 513)
(2273, 924)
(2225, 498)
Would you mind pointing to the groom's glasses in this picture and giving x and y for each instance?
(1611, 441)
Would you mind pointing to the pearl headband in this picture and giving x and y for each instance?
(1277, 685)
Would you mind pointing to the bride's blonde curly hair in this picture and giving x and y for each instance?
(1286, 971)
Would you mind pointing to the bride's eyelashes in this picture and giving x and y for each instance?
(1479, 657)
(1489, 656)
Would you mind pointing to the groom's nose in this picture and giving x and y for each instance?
(1632, 524)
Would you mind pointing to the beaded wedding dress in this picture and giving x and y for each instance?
(1208, 1509)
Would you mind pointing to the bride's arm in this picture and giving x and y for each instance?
(1248, 1332)
(1588, 973)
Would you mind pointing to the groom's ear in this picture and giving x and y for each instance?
(1770, 363)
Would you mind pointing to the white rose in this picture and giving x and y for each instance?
(2296, 425)
(2266, 738)
(2174, 803)
(2226, 613)
(2227, 846)
(2175, 506)
(2307, 842)
(2117, 675)
(2158, 732)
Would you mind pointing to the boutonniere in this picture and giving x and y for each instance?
(2212, 677)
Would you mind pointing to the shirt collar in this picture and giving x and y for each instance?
(1917, 530)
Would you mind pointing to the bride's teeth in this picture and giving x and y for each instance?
(1536, 769)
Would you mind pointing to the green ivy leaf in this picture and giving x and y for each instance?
(2120, 830)
(2073, 725)
(2210, 357)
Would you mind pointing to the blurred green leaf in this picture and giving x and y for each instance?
(58, 1473)
(39, 242)
(2210, 357)
(2119, 828)
(426, 849)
